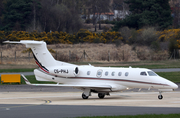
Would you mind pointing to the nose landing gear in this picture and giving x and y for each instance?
(160, 96)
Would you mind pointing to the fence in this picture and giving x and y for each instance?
(13, 54)
(18, 58)
(12, 59)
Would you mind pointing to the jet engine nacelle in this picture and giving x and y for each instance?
(65, 71)
(118, 87)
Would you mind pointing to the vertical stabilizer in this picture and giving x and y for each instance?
(42, 56)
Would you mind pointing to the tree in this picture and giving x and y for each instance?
(147, 13)
(17, 14)
(97, 7)
(56, 16)
(175, 6)
(36, 7)
(1, 9)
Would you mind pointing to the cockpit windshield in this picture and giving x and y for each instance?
(151, 73)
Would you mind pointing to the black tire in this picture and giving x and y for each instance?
(101, 95)
(160, 97)
(84, 96)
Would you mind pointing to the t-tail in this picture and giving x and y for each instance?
(42, 56)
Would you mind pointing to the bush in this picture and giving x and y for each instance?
(88, 21)
(148, 35)
(155, 46)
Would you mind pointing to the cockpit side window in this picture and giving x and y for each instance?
(143, 73)
(151, 73)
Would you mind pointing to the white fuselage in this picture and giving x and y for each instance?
(118, 78)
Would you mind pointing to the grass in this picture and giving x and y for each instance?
(32, 79)
(140, 64)
(16, 70)
(172, 76)
(151, 64)
(138, 116)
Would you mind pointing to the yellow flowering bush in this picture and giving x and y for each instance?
(170, 34)
(110, 37)
(82, 36)
(105, 37)
(2, 35)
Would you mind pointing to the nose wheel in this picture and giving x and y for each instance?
(160, 96)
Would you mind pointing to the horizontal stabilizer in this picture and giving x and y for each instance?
(25, 42)
(26, 80)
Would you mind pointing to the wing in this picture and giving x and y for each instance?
(68, 85)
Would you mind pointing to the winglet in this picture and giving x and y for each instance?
(26, 80)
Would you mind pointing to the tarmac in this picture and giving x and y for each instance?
(138, 99)
(18, 101)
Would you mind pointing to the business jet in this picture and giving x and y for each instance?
(101, 80)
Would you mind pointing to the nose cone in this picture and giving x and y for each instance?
(173, 85)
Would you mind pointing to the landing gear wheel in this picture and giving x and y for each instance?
(84, 96)
(101, 95)
(160, 97)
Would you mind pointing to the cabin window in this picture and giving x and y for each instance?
(143, 73)
(151, 73)
(126, 74)
(106, 73)
(113, 73)
(120, 73)
(88, 72)
(99, 73)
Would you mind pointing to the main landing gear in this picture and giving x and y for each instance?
(160, 96)
(100, 95)
(84, 96)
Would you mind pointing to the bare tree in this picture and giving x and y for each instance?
(56, 16)
(97, 7)
(175, 5)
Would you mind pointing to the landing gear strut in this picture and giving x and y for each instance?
(160, 96)
(101, 95)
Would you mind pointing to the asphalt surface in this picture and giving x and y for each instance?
(24, 73)
(65, 102)
(167, 70)
(66, 111)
